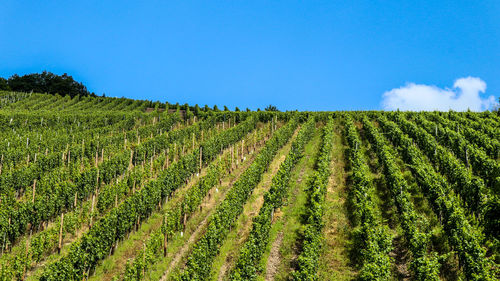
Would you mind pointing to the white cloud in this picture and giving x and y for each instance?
(464, 95)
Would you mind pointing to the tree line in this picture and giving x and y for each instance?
(50, 83)
(45, 82)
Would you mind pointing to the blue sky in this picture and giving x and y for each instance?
(306, 55)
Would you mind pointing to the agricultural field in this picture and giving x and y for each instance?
(97, 188)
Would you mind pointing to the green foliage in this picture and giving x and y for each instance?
(422, 265)
(96, 244)
(271, 108)
(4, 86)
(451, 159)
(46, 82)
(204, 251)
(307, 261)
(248, 260)
(461, 235)
(372, 241)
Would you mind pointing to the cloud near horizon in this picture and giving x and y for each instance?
(464, 95)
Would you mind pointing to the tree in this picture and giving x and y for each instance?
(197, 110)
(271, 108)
(216, 108)
(47, 82)
(3, 85)
(225, 108)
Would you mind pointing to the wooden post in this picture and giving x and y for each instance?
(130, 165)
(144, 260)
(255, 141)
(34, 191)
(201, 154)
(165, 237)
(236, 155)
(242, 149)
(167, 156)
(193, 141)
(92, 210)
(232, 153)
(143, 160)
(60, 234)
(97, 179)
(151, 166)
(64, 153)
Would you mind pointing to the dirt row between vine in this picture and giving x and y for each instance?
(209, 207)
(238, 235)
(283, 217)
(115, 264)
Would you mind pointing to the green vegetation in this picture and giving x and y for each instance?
(119, 189)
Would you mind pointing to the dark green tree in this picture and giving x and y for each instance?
(197, 110)
(47, 82)
(3, 85)
(271, 108)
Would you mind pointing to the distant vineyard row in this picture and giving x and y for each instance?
(79, 177)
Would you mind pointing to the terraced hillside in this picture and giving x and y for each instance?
(95, 188)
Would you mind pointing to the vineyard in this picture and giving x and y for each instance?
(99, 188)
